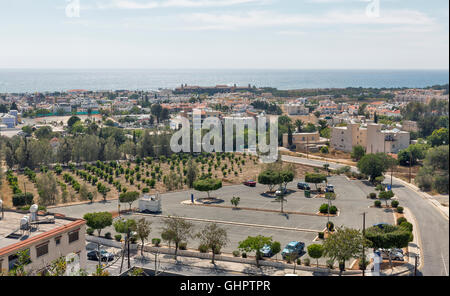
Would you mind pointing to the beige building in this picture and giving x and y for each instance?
(45, 237)
(345, 137)
(372, 138)
(302, 141)
(387, 141)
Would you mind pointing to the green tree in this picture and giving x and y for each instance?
(207, 185)
(214, 237)
(143, 229)
(439, 137)
(72, 120)
(192, 172)
(98, 220)
(386, 196)
(358, 152)
(315, 251)
(128, 197)
(299, 124)
(275, 248)
(344, 244)
(179, 229)
(271, 178)
(47, 188)
(235, 201)
(315, 178)
(255, 244)
(373, 165)
(127, 227)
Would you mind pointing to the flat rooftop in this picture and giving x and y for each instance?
(10, 232)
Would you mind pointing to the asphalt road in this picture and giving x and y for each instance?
(351, 201)
(433, 225)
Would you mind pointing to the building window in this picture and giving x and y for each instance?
(42, 250)
(58, 240)
(73, 236)
(313, 138)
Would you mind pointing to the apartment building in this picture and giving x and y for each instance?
(387, 141)
(345, 137)
(295, 109)
(45, 238)
(372, 138)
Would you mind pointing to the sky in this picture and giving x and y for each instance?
(224, 34)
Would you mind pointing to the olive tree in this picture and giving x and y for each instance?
(214, 237)
(179, 229)
(255, 244)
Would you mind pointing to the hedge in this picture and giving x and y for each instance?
(22, 199)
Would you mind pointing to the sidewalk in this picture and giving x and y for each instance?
(414, 249)
(426, 196)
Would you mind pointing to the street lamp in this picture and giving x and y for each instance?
(1, 207)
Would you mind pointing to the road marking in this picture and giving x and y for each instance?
(234, 223)
(445, 266)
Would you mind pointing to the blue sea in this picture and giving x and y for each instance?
(23, 81)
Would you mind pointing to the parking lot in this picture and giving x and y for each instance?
(351, 201)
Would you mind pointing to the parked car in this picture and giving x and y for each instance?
(266, 251)
(330, 188)
(293, 248)
(380, 225)
(105, 256)
(303, 186)
(250, 183)
(395, 254)
(281, 191)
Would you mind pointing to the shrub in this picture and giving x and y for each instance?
(400, 210)
(407, 225)
(108, 235)
(330, 263)
(379, 187)
(217, 251)
(323, 209)
(90, 231)
(22, 199)
(401, 220)
(182, 246)
(203, 248)
(394, 203)
(118, 237)
(145, 190)
(377, 203)
(363, 263)
(333, 210)
(244, 255)
(306, 261)
(330, 226)
(299, 261)
(372, 195)
(236, 253)
(156, 241)
(321, 235)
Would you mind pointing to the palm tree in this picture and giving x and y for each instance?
(299, 124)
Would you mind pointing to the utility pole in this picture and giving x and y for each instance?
(415, 264)
(410, 163)
(363, 251)
(307, 144)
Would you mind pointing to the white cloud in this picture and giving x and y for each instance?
(270, 19)
(130, 4)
